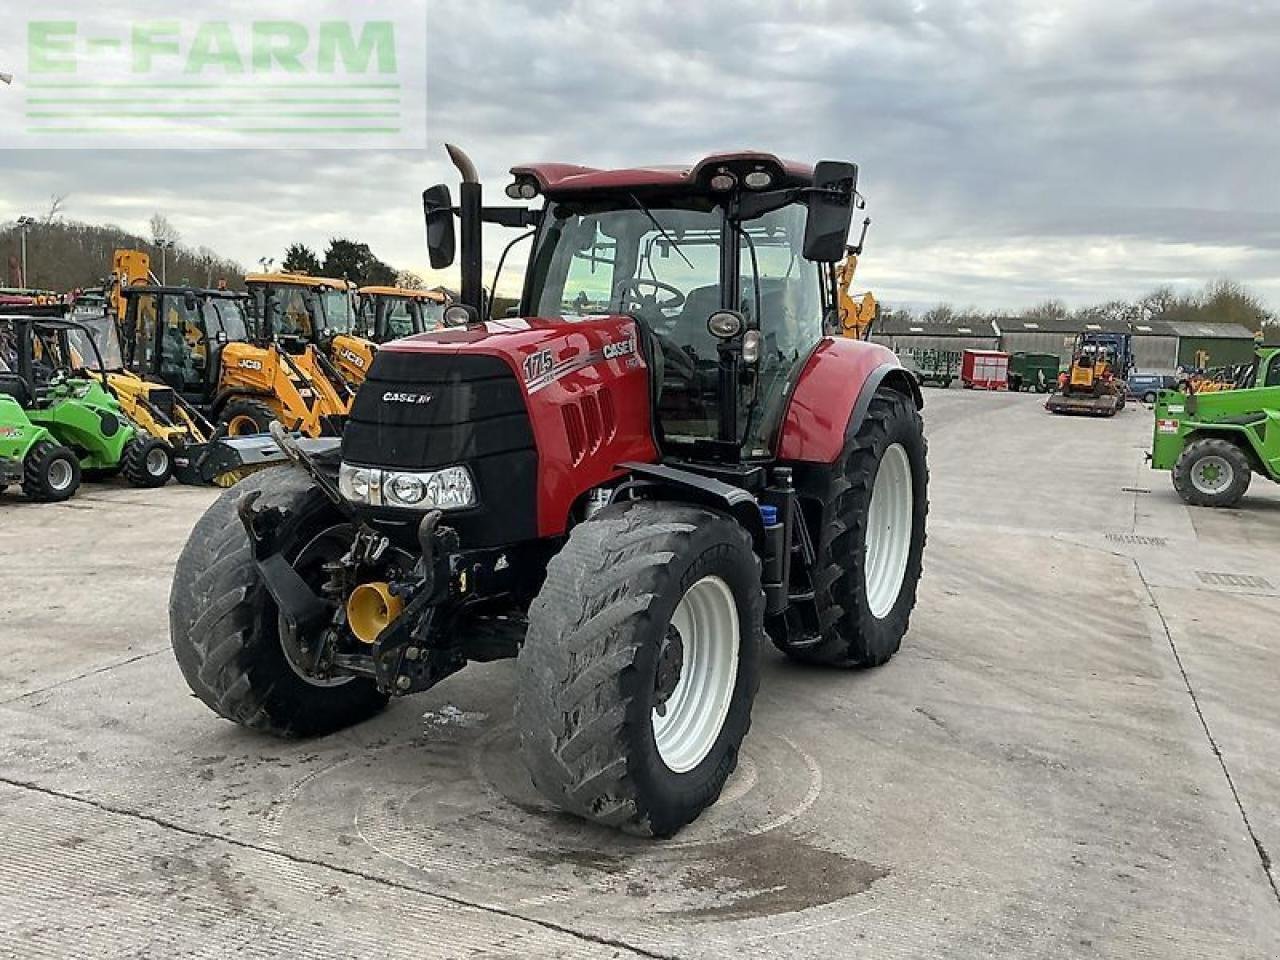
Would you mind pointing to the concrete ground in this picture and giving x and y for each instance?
(1076, 754)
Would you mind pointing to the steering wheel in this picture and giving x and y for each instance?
(631, 292)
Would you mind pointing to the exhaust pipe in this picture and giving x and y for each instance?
(469, 204)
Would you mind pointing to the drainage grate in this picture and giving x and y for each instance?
(1233, 580)
(1137, 540)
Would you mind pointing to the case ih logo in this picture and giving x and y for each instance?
(392, 396)
(612, 351)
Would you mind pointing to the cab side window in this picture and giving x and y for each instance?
(1273, 372)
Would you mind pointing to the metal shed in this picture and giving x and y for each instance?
(910, 335)
(1160, 346)
(1042, 335)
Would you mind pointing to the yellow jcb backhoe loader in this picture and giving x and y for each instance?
(199, 343)
(857, 316)
(296, 309)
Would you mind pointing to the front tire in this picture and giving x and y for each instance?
(871, 535)
(50, 473)
(244, 417)
(640, 666)
(1212, 473)
(147, 462)
(224, 625)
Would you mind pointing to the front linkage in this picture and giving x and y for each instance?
(404, 617)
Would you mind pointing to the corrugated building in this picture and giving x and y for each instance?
(1160, 346)
(909, 335)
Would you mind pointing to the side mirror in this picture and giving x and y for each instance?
(826, 233)
(189, 300)
(437, 209)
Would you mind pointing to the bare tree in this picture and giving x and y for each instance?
(163, 233)
(56, 202)
(942, 313)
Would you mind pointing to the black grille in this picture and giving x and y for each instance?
(475, 415)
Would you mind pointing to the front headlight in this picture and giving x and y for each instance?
(355, 483)
(449, 489)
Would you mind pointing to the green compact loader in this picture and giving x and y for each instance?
(59, 427)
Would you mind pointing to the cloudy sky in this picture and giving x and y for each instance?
(1011, 150)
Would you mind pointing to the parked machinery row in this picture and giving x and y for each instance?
(184, 367)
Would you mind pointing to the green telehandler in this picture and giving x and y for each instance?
(1215, 442)
(59, 427)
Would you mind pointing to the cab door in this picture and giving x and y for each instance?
(183, 345)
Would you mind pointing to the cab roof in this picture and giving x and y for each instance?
(563, 178)
(435, 295)
(298, 280)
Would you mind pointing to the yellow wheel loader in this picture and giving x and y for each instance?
(198, 342)
(297, 310)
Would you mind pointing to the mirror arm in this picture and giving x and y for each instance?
(515, 217)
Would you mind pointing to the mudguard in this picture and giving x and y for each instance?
(831, 396)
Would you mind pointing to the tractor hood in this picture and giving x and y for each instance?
(539, 350)
(538, 410)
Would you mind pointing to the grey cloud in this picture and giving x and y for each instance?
(1010, 150)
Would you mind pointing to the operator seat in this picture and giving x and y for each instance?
(14, 386)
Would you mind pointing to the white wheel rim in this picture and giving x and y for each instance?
(157, 461)
(59, 475)
(693, 715)
(1212, 475)
(888, 540)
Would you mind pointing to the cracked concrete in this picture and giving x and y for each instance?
(1075, 755)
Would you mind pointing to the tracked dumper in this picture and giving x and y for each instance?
(672, 457)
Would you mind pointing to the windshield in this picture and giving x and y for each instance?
(225, 314)
(336, 305)
(432, 314)
(102, 330)
(663, 267)
(399, 319)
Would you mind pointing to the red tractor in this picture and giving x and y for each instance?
(671, 456)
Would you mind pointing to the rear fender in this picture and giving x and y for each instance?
(831, 397)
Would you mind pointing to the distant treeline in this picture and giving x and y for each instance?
(65, 255)
(1221, 301)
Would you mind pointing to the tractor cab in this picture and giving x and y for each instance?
(389, 313)
(177, 335)
(295, 310)
(727, 270)
(294, 306)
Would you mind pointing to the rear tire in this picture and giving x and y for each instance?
(147, 462)
(649, 607)
(862, 552)
(1212, 473)
(50, 473)
(244, 417)
(224, 625)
